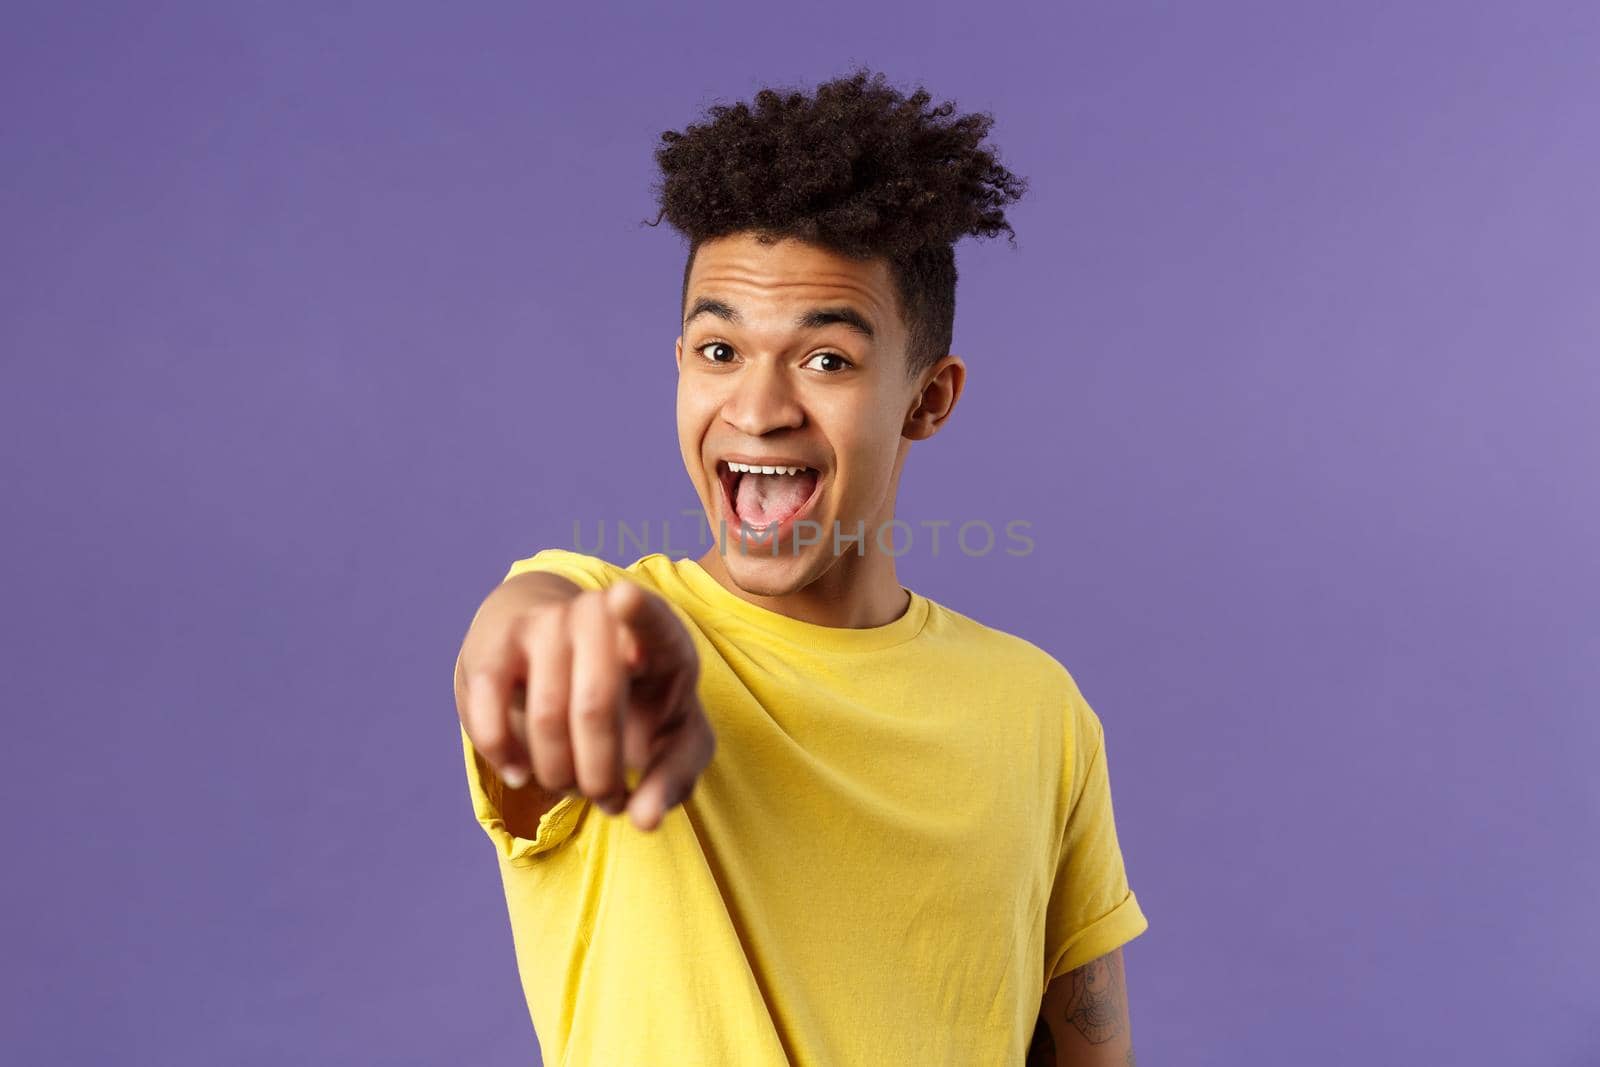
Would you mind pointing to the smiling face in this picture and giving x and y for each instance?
(794, 357)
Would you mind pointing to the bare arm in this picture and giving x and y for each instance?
(1083, 1021)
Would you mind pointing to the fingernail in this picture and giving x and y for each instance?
(514, 777)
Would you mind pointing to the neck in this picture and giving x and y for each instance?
(855, 592)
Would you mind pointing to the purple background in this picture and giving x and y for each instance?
(313, 320)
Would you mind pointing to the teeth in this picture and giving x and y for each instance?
(756, 468)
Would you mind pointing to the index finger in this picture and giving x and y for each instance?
(650, 621)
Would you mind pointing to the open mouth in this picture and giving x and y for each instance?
(768, 497)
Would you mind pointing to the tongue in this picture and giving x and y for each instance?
(764, 499)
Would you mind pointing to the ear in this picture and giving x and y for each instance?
(679, 357)
(941, 388)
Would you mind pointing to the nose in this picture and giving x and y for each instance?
(762, 401)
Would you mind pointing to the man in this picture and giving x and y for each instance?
(769, 806)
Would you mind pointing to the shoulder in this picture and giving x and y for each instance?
(1015, 655)
(1015, 664)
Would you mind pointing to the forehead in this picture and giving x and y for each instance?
(753, 276)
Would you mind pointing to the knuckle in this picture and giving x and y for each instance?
(540, 626)
(543, 626)
(546, 610)
(594, 697)
(592, 710)
(546, 717)
(542, 690)
(480, 678)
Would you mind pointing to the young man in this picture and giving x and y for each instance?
(902, 850)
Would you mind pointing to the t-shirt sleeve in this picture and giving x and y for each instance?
(1091, 910)
(485, 788)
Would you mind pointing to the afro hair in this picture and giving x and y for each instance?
(855, 167)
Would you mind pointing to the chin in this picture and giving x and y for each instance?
(768, 575)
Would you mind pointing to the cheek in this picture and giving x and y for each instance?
(866, 441)
(688, 439)
(690, 425)
(694, 411)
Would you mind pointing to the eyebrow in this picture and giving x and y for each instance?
(814, 319)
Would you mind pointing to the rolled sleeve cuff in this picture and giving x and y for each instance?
(487, 792)
(1106, 934)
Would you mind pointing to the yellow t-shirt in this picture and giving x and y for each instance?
(904, 833)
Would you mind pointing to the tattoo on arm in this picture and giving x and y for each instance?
(1093, 999)
(1094, 1003)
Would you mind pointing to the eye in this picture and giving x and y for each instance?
(709, 350)
(838, 364)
